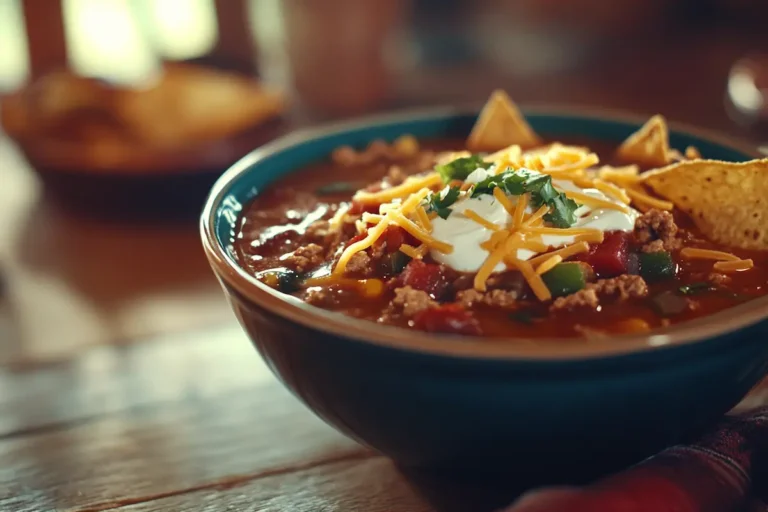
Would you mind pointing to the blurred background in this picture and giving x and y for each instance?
(118, 115)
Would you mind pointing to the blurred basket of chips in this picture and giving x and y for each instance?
(188, 120)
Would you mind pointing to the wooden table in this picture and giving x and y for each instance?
(126, 383)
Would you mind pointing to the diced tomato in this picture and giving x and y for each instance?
(395, 236)
(357, 208)
(427, 277)
(448, 318)
(609, 258)
(357, 238)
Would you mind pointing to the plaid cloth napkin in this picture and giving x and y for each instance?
(719, 473)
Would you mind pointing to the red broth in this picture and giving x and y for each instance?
(279, 221)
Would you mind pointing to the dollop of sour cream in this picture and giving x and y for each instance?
(466, 235)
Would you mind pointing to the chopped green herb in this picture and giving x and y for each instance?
(460, 168)
(541, 189)
(337, 187)
(562, 214)
(542, 192)
(696, 288)
(440, 205)
(511, 183)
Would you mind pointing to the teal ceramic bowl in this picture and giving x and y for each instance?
(551, 409)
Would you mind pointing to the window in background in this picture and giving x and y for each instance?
(14, 63)
(179, 29)
(104, 40)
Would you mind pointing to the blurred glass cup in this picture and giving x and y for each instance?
(336, 52)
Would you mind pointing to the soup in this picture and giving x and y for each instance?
(499, 238)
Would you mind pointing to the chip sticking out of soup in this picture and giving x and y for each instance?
(510, 235)
(727, 201)
(501, 124)
(649, 145)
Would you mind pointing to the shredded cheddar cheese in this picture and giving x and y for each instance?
(496, 257)
(421, 215)
(587, 161)
(471, 214)
(622, 176)
(416, 253)
(511, 153)
(612, 190)
(409, 186)
(693, 253)
(595, 201)
(641, 197)
(374, 233)
(564, 231)
(565, 253)
(536, 216)
(534, 244)
(548, 264)
(371, 218)
(534, 280)
(502, 198)
(427, 239)
(733, 266)
(522, 204)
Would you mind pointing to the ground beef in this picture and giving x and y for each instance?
(493, 298)
(586, 298)
(470, 297)
(501, 298)
(359, 264)
(320, 297)
(512, 281)
(411, 302)
(655, 246)
(318, 230)
(657, 225)
(622, 288)
(395, 176)
(304, 258)
(719, 279)
(377, 252)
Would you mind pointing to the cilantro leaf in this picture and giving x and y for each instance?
(440, 205)
(510, 182)
(543, 192)
(562, 211)
(460, 168)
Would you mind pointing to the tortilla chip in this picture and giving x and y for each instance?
(501, 124)
(692, 153)
(727, 201)
(649, 145)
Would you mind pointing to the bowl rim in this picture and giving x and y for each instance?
(475, 347)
